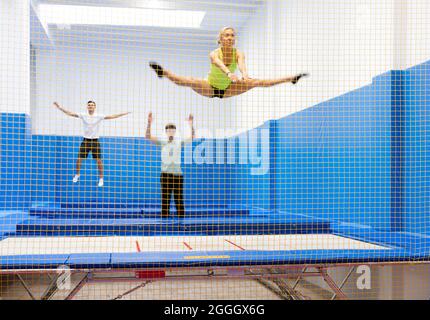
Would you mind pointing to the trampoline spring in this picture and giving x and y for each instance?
(142, 285)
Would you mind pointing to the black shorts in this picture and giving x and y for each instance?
(218, 93)
(88, 145)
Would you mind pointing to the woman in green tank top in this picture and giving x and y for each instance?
(222, 81)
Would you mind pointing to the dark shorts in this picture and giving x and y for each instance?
(218, 93)
(88, 145)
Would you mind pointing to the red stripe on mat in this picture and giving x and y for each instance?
(187, 245)
(137, 246)
(234, 244)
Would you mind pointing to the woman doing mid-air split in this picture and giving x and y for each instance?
(221, 81)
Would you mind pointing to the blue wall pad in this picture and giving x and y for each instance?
(416, 204)
(15, 141)
(333, 159)
(251, 177)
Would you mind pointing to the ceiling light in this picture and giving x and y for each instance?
(88, 15)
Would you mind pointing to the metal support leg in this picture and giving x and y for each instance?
(287, 290)
(332, 284)
(25, 287)
(283, 289)
(343, 282)
(270, 287)
(52, 289)
(299, 278)
(78, 287)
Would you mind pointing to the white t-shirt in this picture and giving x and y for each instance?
(171, 156)
(91, 124)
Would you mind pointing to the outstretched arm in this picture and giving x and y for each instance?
(114, 116)
(217, 61)
(148, 130)
(69, 113)
(193, 134)
(242, 65)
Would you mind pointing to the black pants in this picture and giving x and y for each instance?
(171, 183)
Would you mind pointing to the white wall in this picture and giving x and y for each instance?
(257, 42)
(14, 56)
(342, 44)
(418, 32)
(121, 80)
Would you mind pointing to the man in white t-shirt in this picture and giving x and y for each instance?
(171, 179)
(90, 143)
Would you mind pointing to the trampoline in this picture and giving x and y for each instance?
(89, 240)
(293, 167)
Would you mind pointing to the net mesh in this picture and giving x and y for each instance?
(300, 152)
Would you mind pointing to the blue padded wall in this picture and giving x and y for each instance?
(251, 182)
(417, 149)
(206, 181)
(362, 157)
(131, 168)
(397, 150)
(333, 160)
(43, 163)
(121, 172)
(15, 140)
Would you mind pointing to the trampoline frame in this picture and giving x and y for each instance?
(270, 276)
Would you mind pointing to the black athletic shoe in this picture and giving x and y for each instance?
(157, 68)
(298, 77)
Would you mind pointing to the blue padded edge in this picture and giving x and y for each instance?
(121, 205)
(68, 227)
(9, 219)
(79, 260)
(132, 213)
(33, 261)
(41, 210)
(86, 213)
(209, 225)
(413, 242)
(237, 258)
(208, 258)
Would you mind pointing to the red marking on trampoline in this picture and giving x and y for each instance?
(137, 246)
(234, 244)
(187, 245)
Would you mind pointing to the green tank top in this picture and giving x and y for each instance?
(217, 78)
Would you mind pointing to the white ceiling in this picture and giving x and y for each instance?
(219, 13)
